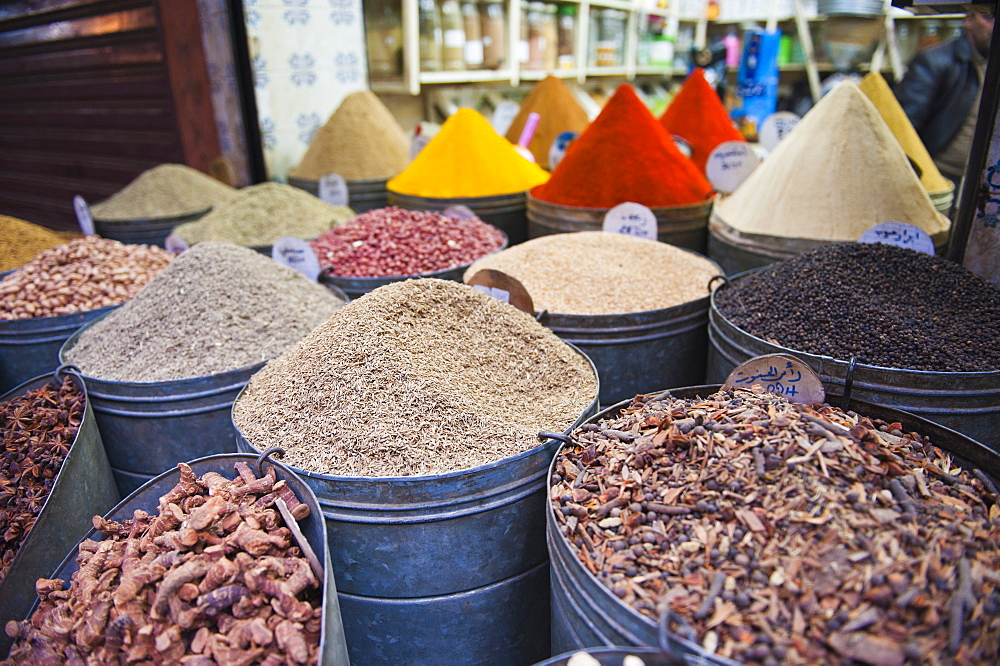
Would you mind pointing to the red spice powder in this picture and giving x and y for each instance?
(697, 115)
(625, 155)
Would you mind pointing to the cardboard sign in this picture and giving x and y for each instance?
(503, 287)
(781, 374)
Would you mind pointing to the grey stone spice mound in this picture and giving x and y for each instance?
(164, 191)
(417, 377)
(216, 307)
(888, 306)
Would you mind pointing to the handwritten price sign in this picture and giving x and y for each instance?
(296, 253)
(776, 127)
(333, 189)
(899, 234)
(730, 164)
(631, 219)
(780, 374)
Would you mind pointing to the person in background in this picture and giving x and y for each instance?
(940, 92)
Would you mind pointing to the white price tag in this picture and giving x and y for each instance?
(83, 216)
(559, 147)
(495, 292)
(461, 212)
(781, 374)
(296, 253)
(175, 244)
(682, 145)
(899, 234)
(631, 219)
(776, 127)
(333, 190)
(730, 164)
(503, 116)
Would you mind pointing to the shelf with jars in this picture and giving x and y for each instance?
(412, 43)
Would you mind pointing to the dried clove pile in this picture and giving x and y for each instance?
(214, 577)
(37, 430)
(786, 533)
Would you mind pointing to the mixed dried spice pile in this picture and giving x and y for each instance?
(786, 533)
(214, 576)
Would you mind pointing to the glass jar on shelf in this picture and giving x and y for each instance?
(493, 21)
(611, 42)
(523, 48)
(550, 30)
(536, 35)
(473, 35)
(429, 26)
(384, 37)
(566, 37)
(453, 30)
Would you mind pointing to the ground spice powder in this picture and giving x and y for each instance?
(360, 141)
(625, 155)
(217, 307)
(20, 241)
(878, 91)
(467, 158)
(582, 273)
(164, 191)
(558, 112)
(417, 377)
(261, 214)
(696, 114)
(839, 173)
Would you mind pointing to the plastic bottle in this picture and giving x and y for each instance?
(566, 57)
(429, 25)
(550, 30)
(493, 21)
(473, 35)
(732, 44)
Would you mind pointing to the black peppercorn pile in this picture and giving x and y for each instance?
(885, 305)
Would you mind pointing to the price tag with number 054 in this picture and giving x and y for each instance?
(631, 219)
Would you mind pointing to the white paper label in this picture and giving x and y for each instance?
(631, 219)
(333, 189)
(899, 234)
(503, 116)
(83, 216)
(495, 292)
(461, 212)
(781, 374)
(682, 145)
(418, 144)
(776, 127)
(175, 244)
(559, 146)
(730, 164)
(454, 39)
(473, 52)
(296, 253)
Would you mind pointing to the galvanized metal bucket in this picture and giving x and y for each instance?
(83, 488)
(30, 347)
(147, 231)
(631, 351)
(333, 649)
(359, 286)
(683, 226)
(442, 569)
(586, 614)
(504, 211)
(737, 252)
(148, 427)
(363, 195)
(968, 402)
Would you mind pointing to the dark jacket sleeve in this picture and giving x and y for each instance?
(917, 92)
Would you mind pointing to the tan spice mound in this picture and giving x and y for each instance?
(839, 173)
(558, 112)
(217, 307)
(599, 273)
(261, 214)
(20, 241)
(360, 141)
(417, 377)
(164, 191)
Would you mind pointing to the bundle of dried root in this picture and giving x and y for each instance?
(214, 578)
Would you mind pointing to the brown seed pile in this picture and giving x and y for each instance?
(81, 275)
(217, 307)
(215, 577)
(786, 533)
(164, 191)
(597, 273)
(37, 430)
(360, 141)
(20, 241)
(417, 377)
(261, 214)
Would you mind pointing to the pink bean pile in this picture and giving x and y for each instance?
(389, 242)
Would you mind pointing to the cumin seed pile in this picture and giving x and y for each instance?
(417, 377)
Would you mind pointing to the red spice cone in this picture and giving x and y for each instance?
(697, 115)
(624, 155)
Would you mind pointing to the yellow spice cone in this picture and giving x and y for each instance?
(879, 92)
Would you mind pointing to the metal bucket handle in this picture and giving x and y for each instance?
(545, 435)
(849, 384)
(264, 456)
(68, 369)
(720, 276)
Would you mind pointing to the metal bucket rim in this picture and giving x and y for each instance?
(225, 376)
(374, 182)
(445, 476)
(177, 217)
(360, 282)
(713, 309)
(696, 207)
(57, 319)
(568, 319)
(471, 202)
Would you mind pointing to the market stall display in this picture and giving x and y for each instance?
(777, 531)
(558, 112)
(432, 451)
(361, 142)
(625, 155)
(261, 214)
(653, 332)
